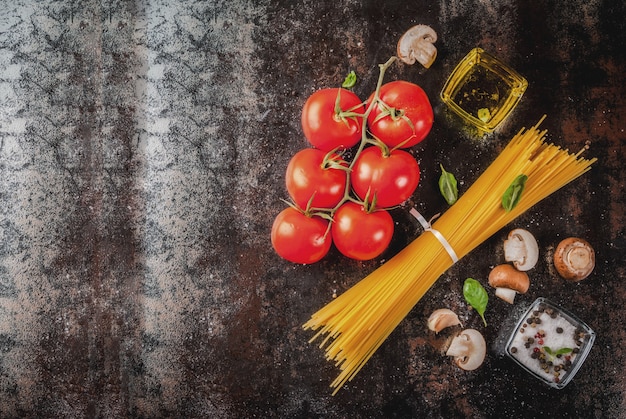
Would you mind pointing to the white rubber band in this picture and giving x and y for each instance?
(427, 227)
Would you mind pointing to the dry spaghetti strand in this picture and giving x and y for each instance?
(356, 323)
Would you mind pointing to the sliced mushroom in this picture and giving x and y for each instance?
(468, 349)
(574, 259)
(417, 44)
(508, 282)
(521, 249)
(442, 318)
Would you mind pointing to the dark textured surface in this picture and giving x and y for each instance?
(142, 154)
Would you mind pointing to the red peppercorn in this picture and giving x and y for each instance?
(541, 341)
(535, 349)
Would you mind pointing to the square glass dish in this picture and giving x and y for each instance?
(550, 343)
(482, 90)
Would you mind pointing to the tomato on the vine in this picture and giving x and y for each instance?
(404, 115)
(385, 178)
(315, 179)
(359, 234)
(300, 238)
(332, 119)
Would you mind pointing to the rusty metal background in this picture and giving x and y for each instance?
(142, 154)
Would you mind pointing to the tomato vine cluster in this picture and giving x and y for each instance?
(346, 201)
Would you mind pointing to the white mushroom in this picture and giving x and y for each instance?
(442, 318)
(508, 281)
(468, 349)
(417, 44)
(521, 249)
(574, 259)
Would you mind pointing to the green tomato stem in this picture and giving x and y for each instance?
(350, 113)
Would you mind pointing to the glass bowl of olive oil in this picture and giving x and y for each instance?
(483, 90)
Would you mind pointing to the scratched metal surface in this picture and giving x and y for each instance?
(142, 154)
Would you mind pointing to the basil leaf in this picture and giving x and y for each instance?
(484, 114)
(554, 354)
(476, 296)
(448, 186)
(563, 351)
(350, 80)
(513, 194)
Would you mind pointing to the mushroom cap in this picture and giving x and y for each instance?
(468, 349)
(574, 259)
(506, 276)
(521, 248)
(417, 44)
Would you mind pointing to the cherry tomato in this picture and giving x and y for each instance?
(312, 177)
(300, 238)
(360, 235)
(391, 179)
(322, 123)
(406, 115)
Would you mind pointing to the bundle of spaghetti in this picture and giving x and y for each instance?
(355, 324)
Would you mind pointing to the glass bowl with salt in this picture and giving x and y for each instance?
(550, 343)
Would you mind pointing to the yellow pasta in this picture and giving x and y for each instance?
(356, 323)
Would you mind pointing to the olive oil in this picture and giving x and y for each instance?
(483, 90)
(482, 93)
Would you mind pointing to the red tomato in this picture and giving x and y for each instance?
(309, 178)
(410, 115)
(360, 235)
(391, 179)
(300, 238)
(322, 124)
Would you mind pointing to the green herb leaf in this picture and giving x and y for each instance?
(350, 80)
(484, 114)
(554, 354)
(513, 194)
(448, 186)
(476, 296)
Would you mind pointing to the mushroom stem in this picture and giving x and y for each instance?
(507, 294)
